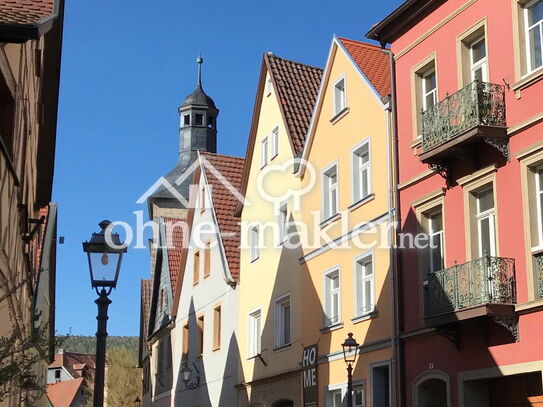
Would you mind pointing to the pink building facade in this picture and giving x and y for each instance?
(469, 100)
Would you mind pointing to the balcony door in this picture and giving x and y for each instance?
(478, 60)
(486, 225)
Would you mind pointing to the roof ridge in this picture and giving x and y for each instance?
(366, 44)
(294, 62)
(221, 155)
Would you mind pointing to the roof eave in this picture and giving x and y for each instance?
(391, 27)
(19, 33)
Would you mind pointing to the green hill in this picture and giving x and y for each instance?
(87, 344)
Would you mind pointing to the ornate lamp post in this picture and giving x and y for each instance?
(350, 352)
(105, 254)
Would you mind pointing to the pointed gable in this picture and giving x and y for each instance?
(297, 86)
(225, 203)
(372, 61)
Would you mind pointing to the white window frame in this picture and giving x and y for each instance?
(343, 102)
(425, 91)
(254, 242)
(341, 388)
(328, 295)
(360, 263)
(254, 340)
(282, 220)
(489, 214)
(264, 152)
(327, 189)
(357, 169)
(280, 325)
(527, 29)
(269, 86)
(482, 63)
(538, 194)
(431, 233)
(274, 142)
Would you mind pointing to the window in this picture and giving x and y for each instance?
(485, 223)
(477, 50)
(185, 351)
(57, 374)
(336, 398)
(429, 89)
(275, 142)
(269, 86)
(361, 172)
(282, 321)
(435, 240)
(207, 259)
(380, 385)
(332, 298)
(200, 335)
(264, 152)
(202, 199)
(539, 202)
(186, 120)
(365, 291)
(255, 332)
(210, 121)
(283, 221)
(339, 96)
(533, 22)
(199, 119)
(330, 192)
(358, 396)
(254, 238)
(196, 268)
(217, 328)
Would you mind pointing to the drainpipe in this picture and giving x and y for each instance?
(394, 218)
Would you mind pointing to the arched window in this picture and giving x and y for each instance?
(432, 389)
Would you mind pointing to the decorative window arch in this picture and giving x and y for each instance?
(428, 377)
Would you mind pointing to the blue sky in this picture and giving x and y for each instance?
(126, 67)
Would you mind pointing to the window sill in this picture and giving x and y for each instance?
(417, 142)
(218, 348)
(528, 80)
(339, 115)
(331, 328)
(361, 202)
(271, 159)
(365, 317)
(282, 348)
(255, 259)
(329, 220)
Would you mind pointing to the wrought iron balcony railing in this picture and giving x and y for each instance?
(477, 104)
(486, 280)
(539, 273)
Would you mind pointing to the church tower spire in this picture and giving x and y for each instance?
(198, 122)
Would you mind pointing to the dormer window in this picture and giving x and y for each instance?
(199, 119)
(186, 120)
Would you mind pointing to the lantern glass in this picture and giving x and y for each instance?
(186, 373)
(350, 349)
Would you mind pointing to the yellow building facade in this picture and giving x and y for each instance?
(347, 203)
(269, 318)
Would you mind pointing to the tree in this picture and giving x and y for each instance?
(123, 377)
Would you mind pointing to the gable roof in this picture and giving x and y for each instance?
(297, 86)
(75, 363)
(225, 203)
(62, 394)
(174, 244)
(372, 61)
(21, 20)
(369, 60)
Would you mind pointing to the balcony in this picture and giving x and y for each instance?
(539, 273)
(484, 287)
(453, 127)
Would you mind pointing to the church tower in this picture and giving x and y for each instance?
(197, 131)
(197, 123)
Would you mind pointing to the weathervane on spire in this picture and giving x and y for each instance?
(200, 61)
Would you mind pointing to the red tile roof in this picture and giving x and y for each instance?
(297, 86)
(77, 364)
(372, 61)
(24, 11)
(174, 242)
(62, 394)
(224, 203)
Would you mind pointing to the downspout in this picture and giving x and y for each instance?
(394, 219)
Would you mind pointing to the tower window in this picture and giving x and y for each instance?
(186, 120)
(199, 119)
(209, 121)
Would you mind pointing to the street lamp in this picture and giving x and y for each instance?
(105, 253)
(137, 402)
(350, 352)
(186, 374)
